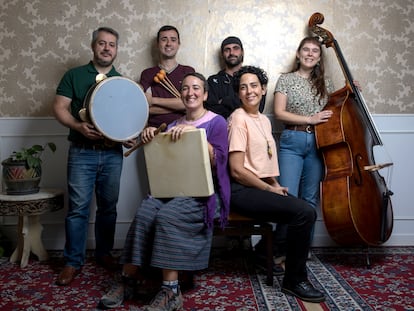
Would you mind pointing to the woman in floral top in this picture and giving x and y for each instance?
(299, 99)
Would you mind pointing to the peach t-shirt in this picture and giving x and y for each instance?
(251, 134)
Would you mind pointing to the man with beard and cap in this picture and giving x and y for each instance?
(221, 97)
(93, 163)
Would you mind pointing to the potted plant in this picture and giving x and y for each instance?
(22, 170)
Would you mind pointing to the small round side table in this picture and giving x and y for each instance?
(28, 208)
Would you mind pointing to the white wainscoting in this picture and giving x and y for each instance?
(397, 132)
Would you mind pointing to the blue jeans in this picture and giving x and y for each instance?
(301, 169)
(300, 165)
(90, 170)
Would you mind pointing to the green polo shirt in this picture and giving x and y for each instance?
(75, 84)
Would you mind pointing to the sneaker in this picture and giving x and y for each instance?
(166, 300)
(120, 291)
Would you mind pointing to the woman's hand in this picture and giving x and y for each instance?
(358, 85)
(178, 130)
(278, 189)
(148, 134)
(320, 117)
(274, 186)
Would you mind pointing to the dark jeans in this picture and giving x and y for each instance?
(296, 213)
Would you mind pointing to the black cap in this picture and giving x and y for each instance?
(231, 40)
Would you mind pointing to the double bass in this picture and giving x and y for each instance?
(355, 200)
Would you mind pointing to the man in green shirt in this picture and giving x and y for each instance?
(92, 163)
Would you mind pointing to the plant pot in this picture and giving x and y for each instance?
(19, 179)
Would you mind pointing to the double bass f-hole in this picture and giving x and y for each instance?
(359, 168)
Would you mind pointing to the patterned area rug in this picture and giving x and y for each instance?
(232, 282)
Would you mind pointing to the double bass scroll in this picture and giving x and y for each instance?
(355, 200)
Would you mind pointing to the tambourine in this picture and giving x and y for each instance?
(117, 107)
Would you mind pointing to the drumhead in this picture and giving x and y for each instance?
(118, 108)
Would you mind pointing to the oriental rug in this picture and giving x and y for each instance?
(232, 282)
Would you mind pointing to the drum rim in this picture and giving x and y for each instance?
(95, 88)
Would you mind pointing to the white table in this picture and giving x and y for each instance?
(28, 208)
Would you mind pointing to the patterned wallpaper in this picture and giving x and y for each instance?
(41, 39)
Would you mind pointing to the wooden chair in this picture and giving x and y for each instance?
(239, 225)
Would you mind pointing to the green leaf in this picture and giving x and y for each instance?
(51, 146)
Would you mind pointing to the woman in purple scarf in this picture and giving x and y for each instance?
(175, 234)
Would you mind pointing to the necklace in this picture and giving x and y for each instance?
(261, 130)
(199, 116)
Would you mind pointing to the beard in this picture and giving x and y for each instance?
(103, 62)
(233, 62)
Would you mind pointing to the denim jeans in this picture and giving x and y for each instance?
(300, 165)
(90, 170)
(300, 170)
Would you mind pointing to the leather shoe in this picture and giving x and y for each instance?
(108, 262)
(262, 264)
(67, 275)
(304, 291)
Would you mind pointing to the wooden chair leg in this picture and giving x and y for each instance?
(243, 226)
(269, 259)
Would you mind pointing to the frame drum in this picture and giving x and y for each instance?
(118, 108)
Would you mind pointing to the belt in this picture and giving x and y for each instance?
(96, 146)
(303, 128)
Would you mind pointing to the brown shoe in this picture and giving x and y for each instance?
(108, 262)
(67, 275)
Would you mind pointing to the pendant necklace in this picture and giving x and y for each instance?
(261, 130)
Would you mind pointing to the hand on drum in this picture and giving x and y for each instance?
(148, 134)
(89, 131)
(176, 131)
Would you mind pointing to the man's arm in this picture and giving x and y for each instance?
(160, 105)
(61, 110)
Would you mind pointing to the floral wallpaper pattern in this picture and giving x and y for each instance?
(41, 39)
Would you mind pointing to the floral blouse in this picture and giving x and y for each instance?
(301, 99)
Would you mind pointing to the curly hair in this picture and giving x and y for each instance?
(259, 72)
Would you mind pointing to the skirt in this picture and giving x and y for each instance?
(169, 234)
